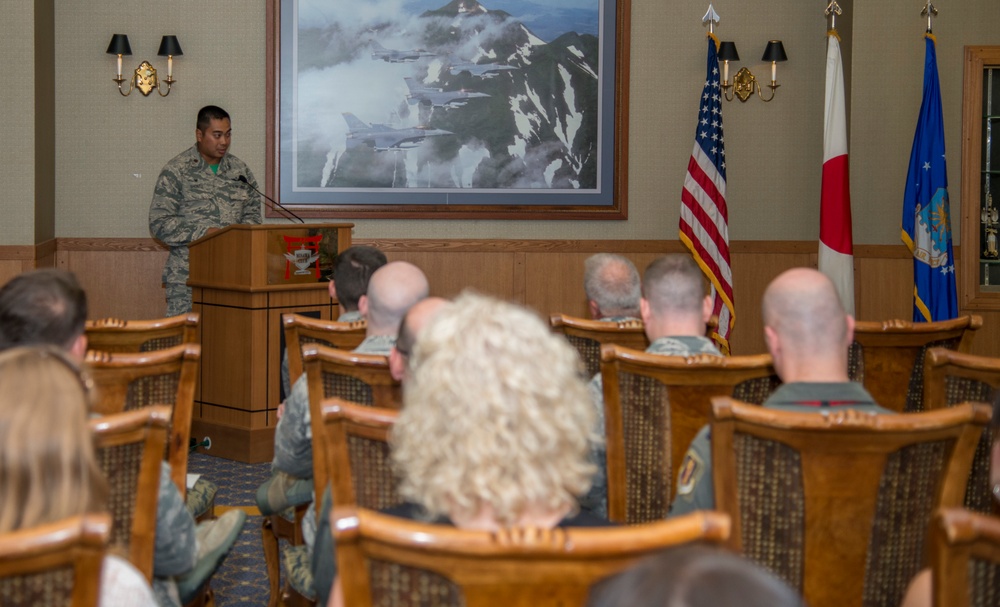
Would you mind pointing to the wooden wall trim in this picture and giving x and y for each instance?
(109, 244)
(472, 245)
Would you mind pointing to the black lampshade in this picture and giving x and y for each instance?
(727, 51)
(119, 45)
(775, 51)
(169, 46)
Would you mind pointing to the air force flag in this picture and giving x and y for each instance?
(926, 213)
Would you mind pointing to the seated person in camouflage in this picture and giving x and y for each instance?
(808, 335)
(612, 286)
(349, 282)
(674, 308)
(199, 192)
(48, 307)
(392, 290)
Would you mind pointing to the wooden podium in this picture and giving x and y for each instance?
(243, 279)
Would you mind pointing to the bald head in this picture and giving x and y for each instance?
(413, 322)
(806, 327)
(393, 289)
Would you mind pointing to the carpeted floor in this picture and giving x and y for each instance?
(242, 579)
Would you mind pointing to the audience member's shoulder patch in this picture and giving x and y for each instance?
(690, 473)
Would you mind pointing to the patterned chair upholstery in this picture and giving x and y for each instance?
(358, 469)
(386, 560)
(54, 565)
(951, 378)
(126, 381)
(129, 450)
(838, 505)
(654, 405)
(301, 330)
(117, 335)
(888, 357)
(965, 559)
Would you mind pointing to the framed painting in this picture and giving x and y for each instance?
(512, 109)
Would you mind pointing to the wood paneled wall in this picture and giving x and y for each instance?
(122, 276)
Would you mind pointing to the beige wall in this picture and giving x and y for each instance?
(774, 150)
(17, 98)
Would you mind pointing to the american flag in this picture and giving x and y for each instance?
(704, 225)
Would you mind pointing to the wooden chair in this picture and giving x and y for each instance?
(965, 559)
(360, 378)
(388, 560)
(129, 449)
(951, 378)
(117, 335)
(54, 565)
(587, 336)
(888, 357)
(301, 330)
(357, 466)
(654, 405)
(126, 381)
(838, 505)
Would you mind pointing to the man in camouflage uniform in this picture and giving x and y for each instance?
(612, 286)
(392, 291)
(198, 192)
(808, 334)
(674, 309)
(48, 307)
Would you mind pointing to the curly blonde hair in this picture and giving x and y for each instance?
(496, 413)
(48, 469)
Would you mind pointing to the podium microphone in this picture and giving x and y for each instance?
(274, 204)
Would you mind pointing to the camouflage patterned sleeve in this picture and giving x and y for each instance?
(694, 480)
(175, 551)
(293, 436)
(166, 221)
(596, 499)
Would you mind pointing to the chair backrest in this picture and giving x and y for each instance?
(54, 565)
(888, 357)
(125, 381)
(358, 465)
(388, 560)
(654, 406)
(838, 504)
(360, 378)
(301, 330)
(965, 559)
(951, 378)
(587, 336)
(129, 449)
(117, 335)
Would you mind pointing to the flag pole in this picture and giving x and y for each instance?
(929, 11)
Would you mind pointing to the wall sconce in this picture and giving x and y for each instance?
(144, 77)
(744, 83)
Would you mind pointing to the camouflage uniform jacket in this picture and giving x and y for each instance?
(286, 382)
(189, 199)
(596, 500)
(694, 481)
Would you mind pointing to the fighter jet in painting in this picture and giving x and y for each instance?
(383, 137)
(393, 56)
(482, 70)
(439, 97)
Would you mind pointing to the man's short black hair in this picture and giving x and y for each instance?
(209, 113)
(42, 307)
(351, 271)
